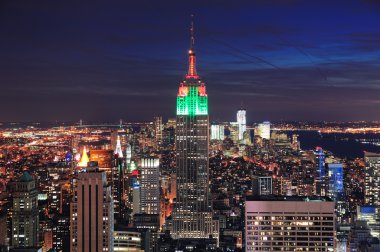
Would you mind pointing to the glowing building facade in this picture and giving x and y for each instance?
(158, 127)
(118, 181)
(149, 190)
(241, 121)
(84, 158)
(320, 177)
(335, 178)
(128, 153)
(192, 214)
(372, 179)
(262, 185)
(217, 132)
(263, 130)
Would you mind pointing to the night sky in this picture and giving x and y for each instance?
(106, 60)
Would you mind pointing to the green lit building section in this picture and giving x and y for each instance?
(193, 103)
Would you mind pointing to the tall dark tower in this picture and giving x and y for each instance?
(192, 214)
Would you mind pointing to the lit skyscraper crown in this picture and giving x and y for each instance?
(118, 150)
(192, 97)
(84, 158)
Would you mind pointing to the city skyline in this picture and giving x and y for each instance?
(283, 61)
(171, 126)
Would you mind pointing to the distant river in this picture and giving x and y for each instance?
(341, 145)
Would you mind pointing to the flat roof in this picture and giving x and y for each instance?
(288, 198)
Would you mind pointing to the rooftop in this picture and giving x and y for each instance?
(288, 198)
(25, 177)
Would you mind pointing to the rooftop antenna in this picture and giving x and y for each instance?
(192, 38)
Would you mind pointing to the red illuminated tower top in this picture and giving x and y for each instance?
(192, 73)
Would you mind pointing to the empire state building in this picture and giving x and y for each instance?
(192, 213)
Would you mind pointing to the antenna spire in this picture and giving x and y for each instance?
(192, 73)
(192, 38)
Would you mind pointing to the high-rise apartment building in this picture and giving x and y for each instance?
(149, 186)
(192, 214)
(25, 221)
(372, 179)
(241, 121)
(91, 211)
(289, 223)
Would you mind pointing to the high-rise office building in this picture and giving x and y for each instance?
(320, 176)
(118, 181)
(128, 154)
(334, 189)
(127, 240)
(263, 130)
(91, 212)
(241, 121)
(217, 132)
(360, 238)
(192, 214)
(335, 180)
(136, 207)
(289, 223)
(234, 132)
(149, 186)
(372, 179)
(25, 221)
(158, 126)
(61, 234)
(368, 214)
(261, 185)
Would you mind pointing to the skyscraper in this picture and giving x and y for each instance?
(334, 189)
(320, 177)
(335, 178)
(217, 132)
(263, 130)
(262, 185)
(91, 211)
(158, 129)
(241, 121)
(289, 223)
(192, 215)
(149, 187)
(128, 153)
(372, 179)
(118, 181)
(25, 223)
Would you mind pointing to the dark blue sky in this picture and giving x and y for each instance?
(105, 60)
